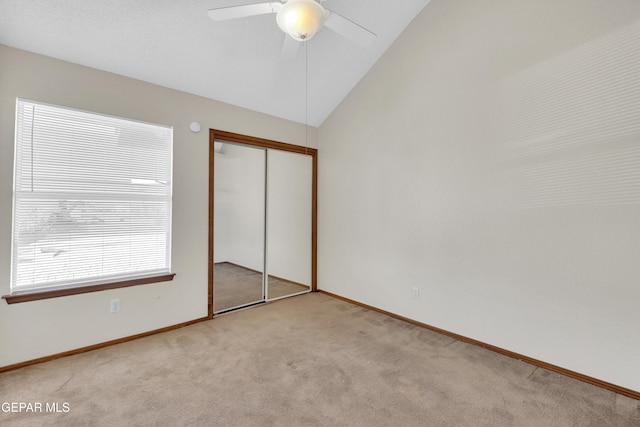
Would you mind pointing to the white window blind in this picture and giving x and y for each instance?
(92, 198)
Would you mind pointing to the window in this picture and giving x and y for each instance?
(92, 199)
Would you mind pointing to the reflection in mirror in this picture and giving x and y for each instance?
(289, 223)
(239, 224)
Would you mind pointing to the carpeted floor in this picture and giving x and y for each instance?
(306, 361)
(235, 286)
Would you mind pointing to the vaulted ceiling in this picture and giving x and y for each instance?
(175, 44)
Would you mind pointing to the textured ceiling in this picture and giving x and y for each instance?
(175, 44)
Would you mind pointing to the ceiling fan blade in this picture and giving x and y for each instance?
(233, 12)
(350, 30)
(290, 48)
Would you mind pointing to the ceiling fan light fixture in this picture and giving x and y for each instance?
(301, 19)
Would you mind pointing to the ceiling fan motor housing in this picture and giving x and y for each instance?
(301, 19)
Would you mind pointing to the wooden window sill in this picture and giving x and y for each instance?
(25, 296)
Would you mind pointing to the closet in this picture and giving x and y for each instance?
(262, 243)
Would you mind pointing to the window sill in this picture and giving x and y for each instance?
(26, 296)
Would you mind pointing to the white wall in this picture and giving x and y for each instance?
(240, 185)
(40, 328)
(289, 215)
(492, 159)
(240, 210)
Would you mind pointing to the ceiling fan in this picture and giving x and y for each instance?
(300, 19)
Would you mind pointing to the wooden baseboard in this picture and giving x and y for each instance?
(271, 276)
(566, 372)
(98, 346)
(291, 282)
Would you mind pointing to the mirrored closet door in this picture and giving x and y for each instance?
(239, 224)
(262, 230)
(288, 224)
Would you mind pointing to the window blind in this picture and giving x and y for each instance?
(92, 198)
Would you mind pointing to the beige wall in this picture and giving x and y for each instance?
(35, 329)
(491, 158)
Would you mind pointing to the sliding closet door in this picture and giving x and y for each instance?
(262, 220)
(239, 225)
(289, 223)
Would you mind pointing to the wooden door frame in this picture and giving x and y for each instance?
(275, 145)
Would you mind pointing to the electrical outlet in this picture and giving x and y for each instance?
(415, 292)
(115, 305)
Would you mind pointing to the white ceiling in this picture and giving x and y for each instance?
(174, 44)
